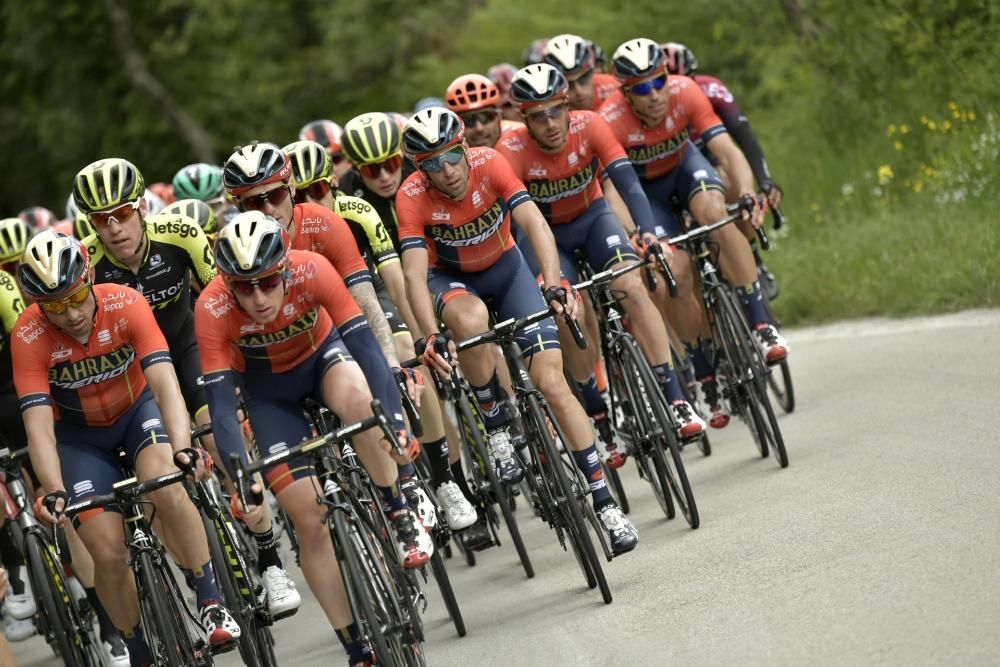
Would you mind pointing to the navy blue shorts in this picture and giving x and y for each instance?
(597, 232)
(274, 406)
(693, 174)
(88, 455)
(509, 289)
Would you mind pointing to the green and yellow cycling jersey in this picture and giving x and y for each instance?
(370, 234)
(177, 250)
(11, 306)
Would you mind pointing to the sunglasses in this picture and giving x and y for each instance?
(118, 214)
(646, 87)
(274, 197)
(75, 299)
(583, 79)
(452, 156)
(474, 118)
(337, 158)
(265, 284)
(315, 190)
(391, 164)
(554, 113)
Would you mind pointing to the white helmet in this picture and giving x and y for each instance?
(568, 52)
(250, 246)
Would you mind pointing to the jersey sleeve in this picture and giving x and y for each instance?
(506, 183)
(364, 215)
(605, 143)
(30, 358)
(332, 294)
(11, 301)
(200, 258)
(700, 113)
(212, 328)
(150, 345)
(342, 251)
(410, 216)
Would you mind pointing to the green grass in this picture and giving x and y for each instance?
(915, 259)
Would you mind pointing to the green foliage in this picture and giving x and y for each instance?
(821, 80)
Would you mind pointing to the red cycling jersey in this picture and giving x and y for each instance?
(655, 151)
(95, 382)
(507, 126)
(564, 184)
(605, 85)
(467, 235)
(316, 300)
(321, 230)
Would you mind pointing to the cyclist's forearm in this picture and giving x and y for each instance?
(392, 276)
(415, 270)
(364, 294)
(732, 160)
(166, 390)
(627, 183)
(40, 429)
(221, 394)
(361, 344)
(745, 138)
(617, 205)
(530, 219)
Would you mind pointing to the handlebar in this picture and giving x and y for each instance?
(125, 491)
(416, 426)
(503, 330)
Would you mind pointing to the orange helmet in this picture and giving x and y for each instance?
(471, 92)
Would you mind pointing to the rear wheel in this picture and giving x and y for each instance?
(164, 624)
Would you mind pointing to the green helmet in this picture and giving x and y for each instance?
(198, 181)
(195, 209)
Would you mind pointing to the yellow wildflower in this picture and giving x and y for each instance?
(891, 130)
(972, 115)
(931, 125)
(956, 114)
(904, 129)
(918, 186)
(945, 126)
(924, 120)
(884, 174)
(953, 105)
(898, 145)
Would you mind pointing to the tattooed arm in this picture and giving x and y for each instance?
(364, 294)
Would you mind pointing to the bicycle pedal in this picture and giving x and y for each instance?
(284, 614)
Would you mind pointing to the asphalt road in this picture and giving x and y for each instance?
(880, 544)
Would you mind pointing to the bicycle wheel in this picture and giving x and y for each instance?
(749, 372)
(472, 430)
(162, 620)
(52, 593)
(617, 488)
(566, 501)
(781, 387)
(447, 592)
(224, 566)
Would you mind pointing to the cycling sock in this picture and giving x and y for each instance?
(459, 475)
(104, 624)
(753, 303)
(205, 589)
(488, 397)
(437, 452)
(392, 497)
(589, 462)
(12, 559)
(406, 470)
(267, 549)
(593, 402)
(669, 383)
(699, 358)
(355, 645)
(138, 649)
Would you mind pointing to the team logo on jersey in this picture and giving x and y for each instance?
(477, 199)
(301, 273)
(92, 370)
(572, 158)
(31, 330)
(288, 310)
(314, 225)
(121, 324)
(219, 305)
(537, 171)
(647, 154)
(669, 122)
(471, 233)
(301, 325)
(612, 112)
(104, 337)
(155, 261)
(62, 352)
(250, 328)
(550, 191)
(636, 136)
(83, 488)
(440, 215)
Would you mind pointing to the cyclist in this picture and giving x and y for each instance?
(38, 218)
(312, 174)
(79, 225)
(681, 61)
(652, 117)
(476, 100)
(568, 192)
(575, 57)
(14, 235)
(197, 210)
(373, 144)
(455, 216)
(328, 135)
(282, 324)
(501, 75)
(90, 375)
(204, 182)
(160, 256)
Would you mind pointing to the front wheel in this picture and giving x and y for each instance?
(163, 622)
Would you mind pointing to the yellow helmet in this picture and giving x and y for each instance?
(106, 184)
(14, 235)
(310, 162)
(371, 138)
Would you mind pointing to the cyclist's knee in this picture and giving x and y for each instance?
(170, 501)
(468, 319)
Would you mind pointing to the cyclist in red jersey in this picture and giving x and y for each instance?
(328, 135)
(574, 56)
(501, 75)
(282, 325)
(90, 375)
(258, 177)
(454, 229)
(477, 101)
(559, 156)
(38, 218)
(653, 117)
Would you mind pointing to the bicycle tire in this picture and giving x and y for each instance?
(502, 495)
(766, 434)
(569, 506)
(54, 597)
(783, 390)
(617, 488)
(447, 593)
(163, 623)
(232, 596)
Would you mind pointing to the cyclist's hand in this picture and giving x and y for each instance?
(412, 380)
(774, 193)
(49, 508)
(563, 298)
(431, 353)
(753, 207)
(255, 514)
(195, 462)
(409, 447)
(652, 246)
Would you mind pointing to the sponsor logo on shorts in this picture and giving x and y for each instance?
(699, 175)
(613, 240)
(151, 424)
